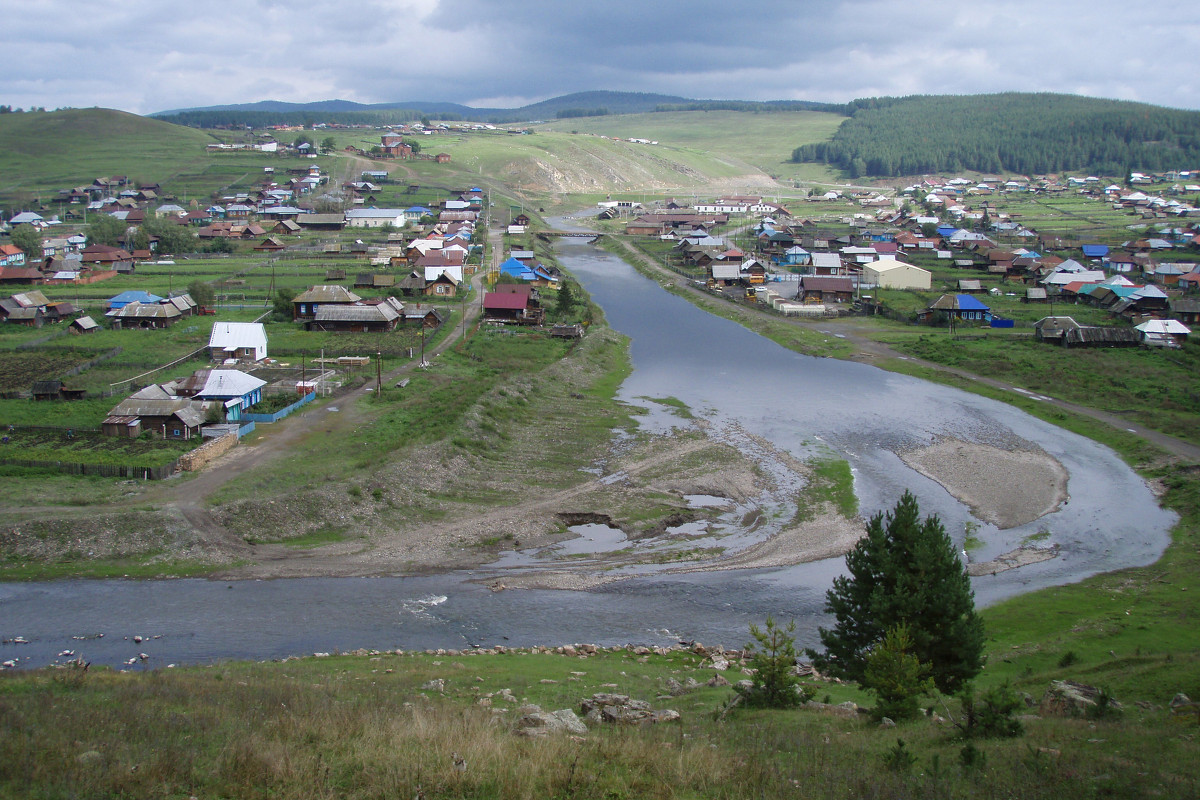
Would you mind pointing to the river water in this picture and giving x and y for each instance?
(724, 373)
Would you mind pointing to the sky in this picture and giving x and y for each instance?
(145, 56)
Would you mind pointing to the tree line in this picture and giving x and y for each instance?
(233, 118)
(570, 113)
(752, 106)
(1012, 132)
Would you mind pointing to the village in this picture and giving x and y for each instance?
(950, 233)
(323, 263)
(352, 293)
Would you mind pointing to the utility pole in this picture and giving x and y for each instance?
(378, 371)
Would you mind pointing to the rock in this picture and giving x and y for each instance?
(89, 757)
(849, 705)
(619, 709)
(641, 651)
(1071, 699)
(887, 722)
(1180, 700)
(699, 649)
(435, 685)
(542, 723)
(675, 688)
(746, 683)
(568, 650)
(717, 680)
(570, 722)
(666, 715)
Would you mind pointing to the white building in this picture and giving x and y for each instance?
(375, 217)
(241, 341)
(889, 273)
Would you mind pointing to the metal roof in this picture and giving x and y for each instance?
(237, 335)
(224, 383)
(327, 294)
(381, 312)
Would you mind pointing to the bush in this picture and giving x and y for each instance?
(993, 715)
(899, 758)
(775, 683)
(896, 676)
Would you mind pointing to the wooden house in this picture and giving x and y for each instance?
(170, 417)
(825, 289)
(306, 304)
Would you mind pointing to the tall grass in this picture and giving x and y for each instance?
(363, 727)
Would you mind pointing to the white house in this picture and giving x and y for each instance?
(375, 217)
(243, 341)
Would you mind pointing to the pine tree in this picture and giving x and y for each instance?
(905, 571)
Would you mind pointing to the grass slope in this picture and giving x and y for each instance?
(45, 151)
(762, 140)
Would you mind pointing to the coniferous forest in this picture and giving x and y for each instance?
(1012, 132)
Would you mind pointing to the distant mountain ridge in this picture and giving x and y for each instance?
(579, 104)
(614, 102)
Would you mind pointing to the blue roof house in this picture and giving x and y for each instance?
(132, 296)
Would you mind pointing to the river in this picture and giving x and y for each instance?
(724, 373)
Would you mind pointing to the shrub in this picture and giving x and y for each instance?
(993, 715)
(775, 683)
(898, 758)
(897, 676)
(1068, 659)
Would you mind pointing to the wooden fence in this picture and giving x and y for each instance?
(104, 470)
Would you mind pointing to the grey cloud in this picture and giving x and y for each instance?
(147, 55)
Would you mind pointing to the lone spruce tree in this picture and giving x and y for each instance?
(904, 572)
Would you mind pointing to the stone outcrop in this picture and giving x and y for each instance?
(1068, 698)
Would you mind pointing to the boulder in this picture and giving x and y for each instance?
(542, 723)
(1068, 698)
(435, 685)
(619, 709)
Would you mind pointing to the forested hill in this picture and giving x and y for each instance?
(1012, 132)
(269, 112)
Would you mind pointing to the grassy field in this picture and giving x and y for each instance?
(764, 141)
(378, 725)
(41, 153)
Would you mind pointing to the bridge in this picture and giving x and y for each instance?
(571, 234)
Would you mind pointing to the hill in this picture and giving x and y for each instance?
(1012, 132)
(595, 103)
(58, 149)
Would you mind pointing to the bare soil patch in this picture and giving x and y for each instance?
(1006, 488)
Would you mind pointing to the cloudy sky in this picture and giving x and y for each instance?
(151, 55)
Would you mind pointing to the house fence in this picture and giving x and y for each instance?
(55, 428)
(245, 430)
(104, 470)
(281, 413)
(40, 341)
(100, 359)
